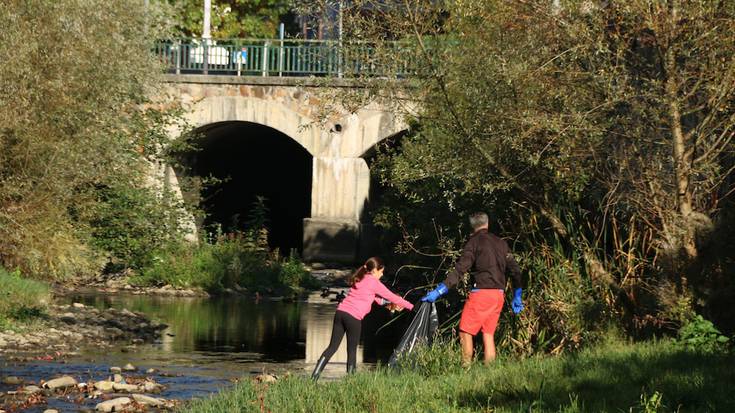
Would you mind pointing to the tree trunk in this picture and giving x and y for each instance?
(682, 148)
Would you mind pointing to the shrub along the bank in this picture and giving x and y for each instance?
(612, 377)
(226, 262)
(78, 137)
(571, 125)
(20, 298)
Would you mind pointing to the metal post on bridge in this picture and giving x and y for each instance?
(339, 45)
(265, 59)
(177, 56)
(281, 35)
(206, 35)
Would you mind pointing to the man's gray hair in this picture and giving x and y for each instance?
(478, 219)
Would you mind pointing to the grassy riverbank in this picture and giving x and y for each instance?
(612, 377)
(20, 298)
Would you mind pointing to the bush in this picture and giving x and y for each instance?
(63, 138)
(181, 266)
(702, 336)
(21, 298)
(292, 273)
(130, 223)
(562, 309)
(228, 261)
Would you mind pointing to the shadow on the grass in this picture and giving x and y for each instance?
(688, 382)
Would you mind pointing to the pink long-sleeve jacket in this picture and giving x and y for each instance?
(364, 293)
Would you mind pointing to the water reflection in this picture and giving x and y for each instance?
(245, 331)
(210, 342)
(318, 320)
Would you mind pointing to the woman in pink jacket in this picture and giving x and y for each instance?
(366, 289)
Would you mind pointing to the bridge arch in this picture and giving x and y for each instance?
(252, 164)
(340, 175)
(217, 109)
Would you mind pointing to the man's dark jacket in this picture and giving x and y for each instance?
(487, 257)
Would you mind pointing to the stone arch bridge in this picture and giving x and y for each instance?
(262, 135)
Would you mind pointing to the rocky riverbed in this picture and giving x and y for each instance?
(91, 328)
(121, 391)
(68, 328)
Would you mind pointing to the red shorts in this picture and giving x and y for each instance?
(481, 311)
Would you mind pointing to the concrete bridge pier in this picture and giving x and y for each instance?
(340, 188)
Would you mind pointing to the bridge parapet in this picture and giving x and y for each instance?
(277, 57)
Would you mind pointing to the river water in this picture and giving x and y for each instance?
(210, 343)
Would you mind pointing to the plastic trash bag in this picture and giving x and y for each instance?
(420, 332)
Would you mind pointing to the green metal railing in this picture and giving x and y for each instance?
(263, 57)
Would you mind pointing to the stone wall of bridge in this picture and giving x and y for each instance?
(294, 107)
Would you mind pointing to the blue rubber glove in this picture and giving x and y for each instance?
(437, 292)
(517, 304)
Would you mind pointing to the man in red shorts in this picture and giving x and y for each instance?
(488, 257)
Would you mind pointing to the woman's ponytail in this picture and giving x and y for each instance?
(372, 264)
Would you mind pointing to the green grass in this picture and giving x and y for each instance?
(612, 377)
(21, 299)
(222, 264)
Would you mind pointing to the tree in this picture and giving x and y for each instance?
(233, 18)
(78, 125)
(605, 125)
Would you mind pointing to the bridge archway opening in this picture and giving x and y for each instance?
(249, 160)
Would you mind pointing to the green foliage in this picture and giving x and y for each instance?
(701, 335)
(130, 223)
(599, 130)
(608, 378)
(21, 298)
(232, 18)
(77, 122)
(563, 311)
(291, 272)
(650, 404)
(226, 262)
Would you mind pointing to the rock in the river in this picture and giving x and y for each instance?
(125, 387)
(12, 381)
(78, 305)
(129, 367)
(114, 405)
(118, 378)
(60, 383)
(50, 411)
(115, 370)
(30, 389)
(149, 401)
(151, 387)
(68, 318)
(150, 371)
(104, 385)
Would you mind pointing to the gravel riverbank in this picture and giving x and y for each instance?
(68, 328)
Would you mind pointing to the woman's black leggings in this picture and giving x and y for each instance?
(344, 323)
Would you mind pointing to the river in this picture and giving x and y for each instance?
(211, 342)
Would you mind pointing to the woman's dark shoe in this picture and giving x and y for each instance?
(320, 364)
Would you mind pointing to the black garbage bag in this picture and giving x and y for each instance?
(420, 332)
